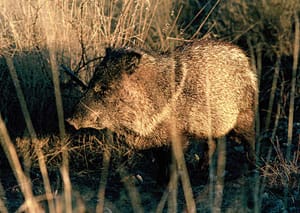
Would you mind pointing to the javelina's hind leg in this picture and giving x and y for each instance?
(211, 149)
(245, 131)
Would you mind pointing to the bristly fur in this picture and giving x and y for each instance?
(207, 86)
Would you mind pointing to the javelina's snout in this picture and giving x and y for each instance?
(73, 123)
(208, 87)
(82, 122)
(88, 114)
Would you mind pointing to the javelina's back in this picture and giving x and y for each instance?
(207, 86)
(220, 89)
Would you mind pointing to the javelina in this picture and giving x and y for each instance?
(207, 86)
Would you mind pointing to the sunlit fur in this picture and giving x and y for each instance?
(213, 93)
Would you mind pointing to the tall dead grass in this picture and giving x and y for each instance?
(36, 36)
(85, 27)
(70, 32)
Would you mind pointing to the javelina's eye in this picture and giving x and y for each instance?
(97, 88)
(100, 89)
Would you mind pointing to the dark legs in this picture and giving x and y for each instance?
(246, 132)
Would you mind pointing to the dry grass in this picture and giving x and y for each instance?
(89, 26)
(36, 36)
(281, 172)
(72, 33)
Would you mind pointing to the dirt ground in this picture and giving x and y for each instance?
(145, 173)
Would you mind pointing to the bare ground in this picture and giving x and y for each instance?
(144, 172)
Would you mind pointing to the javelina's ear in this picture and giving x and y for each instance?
(131, 60)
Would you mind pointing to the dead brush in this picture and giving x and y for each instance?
(27, 149)
(84, 149)
(280, 172)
